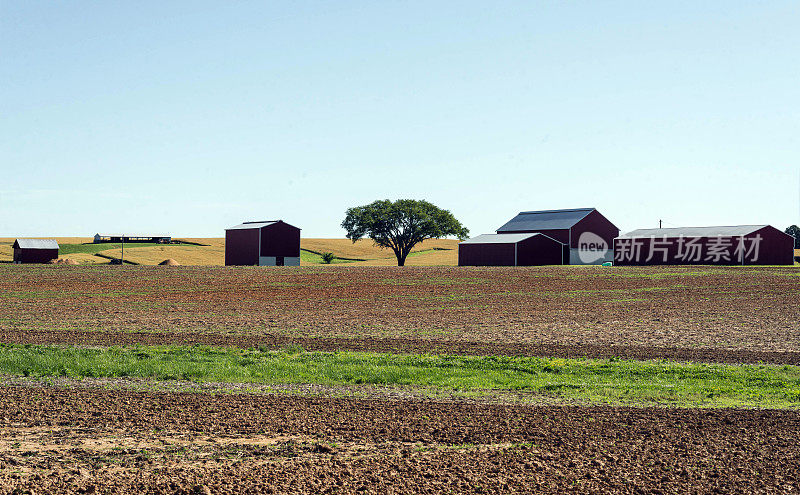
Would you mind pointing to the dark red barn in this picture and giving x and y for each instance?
(585, 233)
(510, 250)
(267, 243)
(35, 250)
(729, 245)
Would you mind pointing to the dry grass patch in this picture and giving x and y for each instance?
(444, 257)
(442, 252)
(215, 242)
(183, 254)
(365, 249)
(85, 258)
(6, 252)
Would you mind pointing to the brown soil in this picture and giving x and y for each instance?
(93, 440)
(169, 262)
(716, 314)
(56, 440)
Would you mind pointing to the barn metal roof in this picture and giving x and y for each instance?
(253, 225)
(545, 220)
(501, 238)
(36, 244)
(725, 231)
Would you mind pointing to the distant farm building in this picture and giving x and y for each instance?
(728, 245)
(510, 250)
(267, 243)
(117, 238)
(35, 250)
(585, 237)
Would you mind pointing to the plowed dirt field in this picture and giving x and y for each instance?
(724, 314)
(101, 441)
(100, 438)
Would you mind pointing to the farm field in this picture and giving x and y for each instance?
(720, 314)
(120, 441)
(427, 253)
(350, 379)
(211, 252)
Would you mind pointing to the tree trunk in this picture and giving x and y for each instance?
(402, 253)
(401, 257)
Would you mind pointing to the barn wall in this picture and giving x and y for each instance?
(486, 254)
(574, 257)
(241, 247)
(279, 261)
(280, 239)
(777, 248)
(34, 255)
(773, 249)
(539, 250)
(597, 224)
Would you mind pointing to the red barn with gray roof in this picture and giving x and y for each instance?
(586, 234)
(35, 250)
(510, 250)
(265, 243)
(724, 245)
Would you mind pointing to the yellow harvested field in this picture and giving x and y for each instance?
(85, 258)
(364, 249)
(6, 252)
(217, 242)
(448, 257)
(183, 254)
(212, 252)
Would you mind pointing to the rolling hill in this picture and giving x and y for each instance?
(211, 251)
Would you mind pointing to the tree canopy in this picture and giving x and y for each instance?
(401, 225)
(794, 231)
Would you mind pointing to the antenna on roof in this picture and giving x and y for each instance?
(659, 224)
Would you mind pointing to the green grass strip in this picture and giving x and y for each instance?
(600, 381)
(92, 248)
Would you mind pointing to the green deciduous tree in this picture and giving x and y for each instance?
(794, 231)
(400, 225)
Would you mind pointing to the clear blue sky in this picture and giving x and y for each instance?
(189, 117)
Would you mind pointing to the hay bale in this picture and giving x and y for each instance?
(169, 262)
